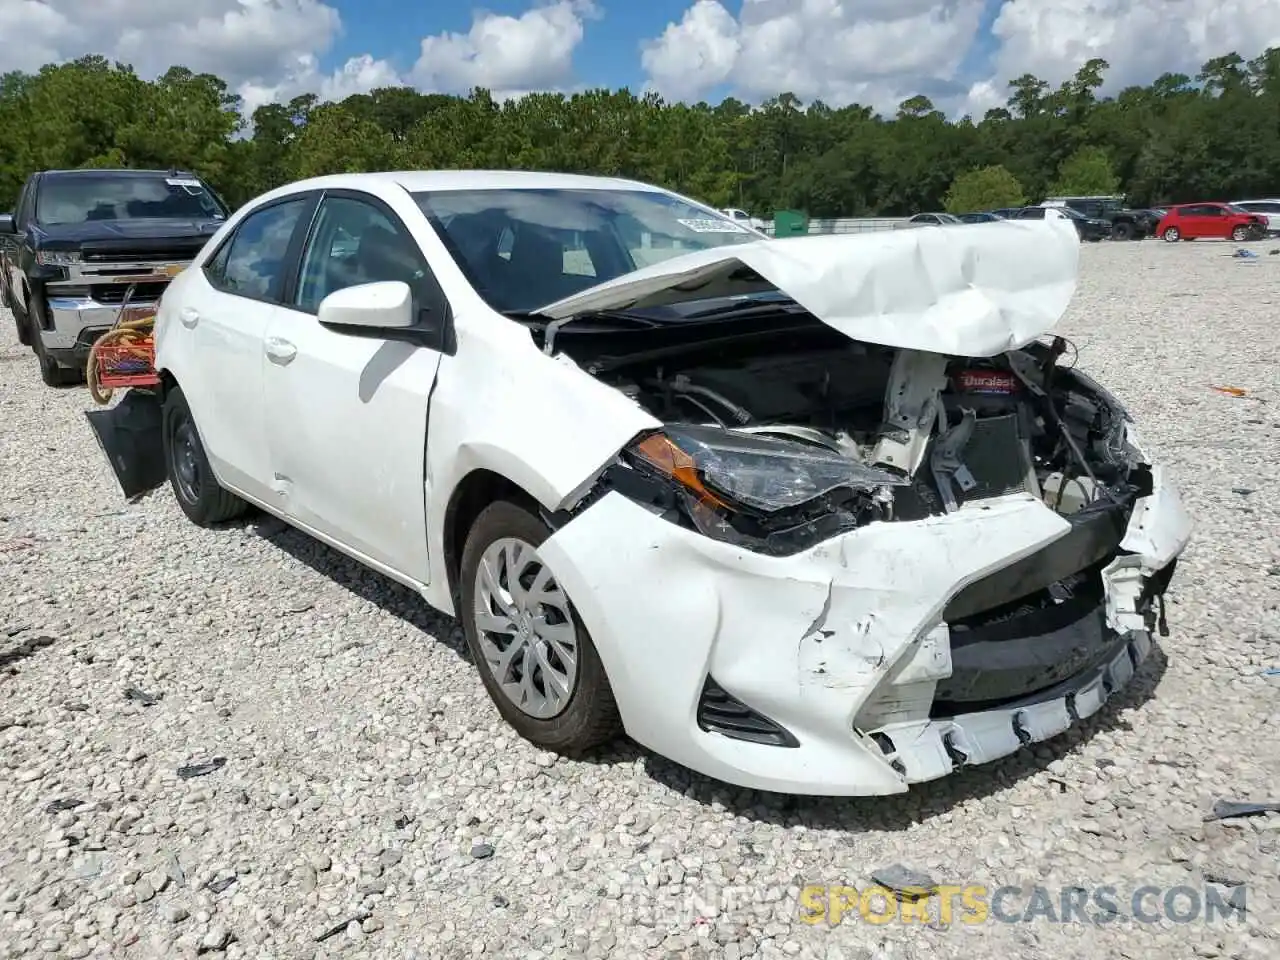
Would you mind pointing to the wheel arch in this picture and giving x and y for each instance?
(473, 493)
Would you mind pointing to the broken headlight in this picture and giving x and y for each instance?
(774, 496)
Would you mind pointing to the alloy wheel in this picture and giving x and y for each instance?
(526, 630)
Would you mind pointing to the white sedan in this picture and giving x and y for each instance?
(819, 515)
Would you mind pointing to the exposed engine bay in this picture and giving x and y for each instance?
(939, 431)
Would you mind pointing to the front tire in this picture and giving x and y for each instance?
(187, 465)
(1171, 235)
(533, 652)
(52, 373)
(1240, 234)
(1122, 231)
(21, 322)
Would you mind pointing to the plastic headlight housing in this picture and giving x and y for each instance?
(773, 495)
(57, 258)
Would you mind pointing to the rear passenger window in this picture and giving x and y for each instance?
(252, 262)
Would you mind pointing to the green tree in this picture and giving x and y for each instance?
(1215, 132)
(1086, 173)
(986, 188)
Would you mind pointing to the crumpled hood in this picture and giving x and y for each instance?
(973, 290)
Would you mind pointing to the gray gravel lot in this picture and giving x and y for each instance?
(373, 804)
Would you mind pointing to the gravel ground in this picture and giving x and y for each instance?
(370, 802)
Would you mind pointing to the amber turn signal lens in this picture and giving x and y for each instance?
(659, 452)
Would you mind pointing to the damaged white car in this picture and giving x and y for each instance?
(819, 515)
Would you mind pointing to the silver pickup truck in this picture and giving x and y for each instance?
(81, 242)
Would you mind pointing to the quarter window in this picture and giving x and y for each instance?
(354, 242)
(252, 263)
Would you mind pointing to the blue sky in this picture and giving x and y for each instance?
(609, 54)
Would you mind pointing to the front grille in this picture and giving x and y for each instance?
(1029, 645)
(720, 712)
(142, 251)
(113, 294)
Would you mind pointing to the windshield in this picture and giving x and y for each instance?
(1072, 214)
(524, 249)
(84, 197)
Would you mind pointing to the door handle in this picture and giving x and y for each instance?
(280, 351)
(189, 317)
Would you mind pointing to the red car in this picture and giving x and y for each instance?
(1217, 221)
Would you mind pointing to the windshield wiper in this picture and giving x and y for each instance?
(745, 307)
(552, 326)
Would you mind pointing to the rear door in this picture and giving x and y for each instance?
(346, 414)
(227, 307)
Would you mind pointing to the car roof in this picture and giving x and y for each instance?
(421, 181)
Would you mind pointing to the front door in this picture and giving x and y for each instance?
(347, 421)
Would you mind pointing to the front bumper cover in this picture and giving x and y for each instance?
(841, 646)
(78, 321)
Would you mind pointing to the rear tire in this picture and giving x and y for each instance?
(1171, 235)
(575, 712)
(191, 478)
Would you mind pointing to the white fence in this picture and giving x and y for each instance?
(851, 225)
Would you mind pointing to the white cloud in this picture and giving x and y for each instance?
(271, 50)
(505, 53)
(877, 52)
(241, 40)
(1141, 39)
(358, 75)
(696, 54)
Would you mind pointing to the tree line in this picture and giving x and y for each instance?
(1181, 138)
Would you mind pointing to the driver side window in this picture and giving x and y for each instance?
(354, 242)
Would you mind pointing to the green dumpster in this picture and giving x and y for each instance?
(790, 223)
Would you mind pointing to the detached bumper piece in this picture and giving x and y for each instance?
(720, 712)
(976, 738)
(129, 436)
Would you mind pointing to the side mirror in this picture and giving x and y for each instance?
(7, 226)
(369, 306)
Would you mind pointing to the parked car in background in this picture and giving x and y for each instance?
(934, 219)
(1005, 213)
(81, 241)
(744, 218)
(1211, 221)
(1125, 224)
(1088, 230)
(978, 218)
(1269, 209)
(668, 499)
